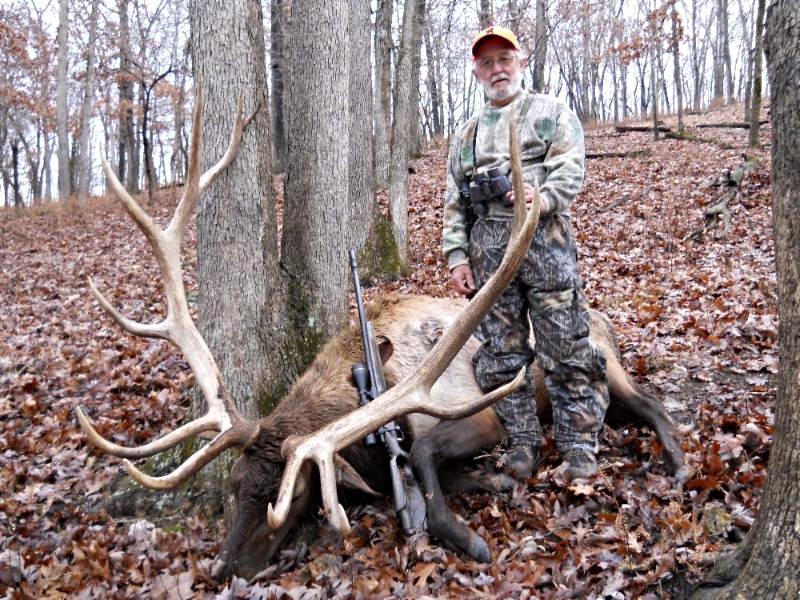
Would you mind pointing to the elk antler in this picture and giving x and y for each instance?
(178, 327)
(413, 393)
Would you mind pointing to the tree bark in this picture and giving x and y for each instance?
(770, 567)
(540, 48)
(84, 166)
(486, 14)
(755, 110)
(361, 170)
(398, 177)
(382, 97)
(128, 166)
(314, 247)
(726, 50)
(415, 123)
(277, 55)
(237, 258)
(676, 56)
(62, 116)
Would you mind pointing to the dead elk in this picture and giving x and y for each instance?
(423, 336)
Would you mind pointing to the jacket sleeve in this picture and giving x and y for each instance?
(563, 165)
(454, 234)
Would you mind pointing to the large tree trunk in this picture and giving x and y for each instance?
(128, 166)
(315, 228)
(278, 63)
(382, 96)
(62, 116)
(361, 172)
(768, 562)
(237, 257)
(415, 123)
(398, 177)
(84, 167)
(755, 111)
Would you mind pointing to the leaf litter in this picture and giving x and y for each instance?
(696, 314)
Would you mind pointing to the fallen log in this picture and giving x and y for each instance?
(629, 154)
(728, 125)
(644, 128)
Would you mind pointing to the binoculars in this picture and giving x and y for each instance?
(485, 187)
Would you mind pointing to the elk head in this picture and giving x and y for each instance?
(255, 477)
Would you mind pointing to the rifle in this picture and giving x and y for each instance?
(369, 379)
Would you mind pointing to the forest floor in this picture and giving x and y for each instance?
(693, 299)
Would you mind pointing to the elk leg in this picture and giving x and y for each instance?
(630, 403)
(452, 440)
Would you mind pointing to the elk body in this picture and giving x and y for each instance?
(428, 350)
(410, 326)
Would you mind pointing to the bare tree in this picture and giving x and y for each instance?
(755, 111)
(314, 249)
(83, 165)
(62, 116)
(765, 564)
(398, 177)
(277, 56)
(382, 97)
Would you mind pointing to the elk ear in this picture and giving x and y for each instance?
(385, 348)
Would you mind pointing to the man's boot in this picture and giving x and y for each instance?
(522, 459)
(581, 462)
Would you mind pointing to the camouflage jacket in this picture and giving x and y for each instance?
(551, 142)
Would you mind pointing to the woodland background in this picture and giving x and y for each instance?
(675, 241)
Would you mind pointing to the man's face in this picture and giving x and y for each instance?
(498, 69)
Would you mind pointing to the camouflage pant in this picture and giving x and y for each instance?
(547, 290)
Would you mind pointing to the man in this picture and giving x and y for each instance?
(547, 288)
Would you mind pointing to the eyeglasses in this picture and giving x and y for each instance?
(504, 60)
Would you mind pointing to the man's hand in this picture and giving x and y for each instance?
(461, 277)
(530, 195)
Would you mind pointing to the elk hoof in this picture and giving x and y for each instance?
(479, 550)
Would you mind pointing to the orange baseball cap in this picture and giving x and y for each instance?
(494, 31)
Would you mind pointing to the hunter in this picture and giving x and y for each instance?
(547, 292)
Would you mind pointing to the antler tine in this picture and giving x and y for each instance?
(236, 435)
(178, 327)
(413, 393)
(196, 183)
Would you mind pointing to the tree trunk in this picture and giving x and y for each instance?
(361, 171)
(415, 122)
(15, 172)
(540, 48)
(654, 90)
(237, 258)
(398, 177)
(676, 55)
(755, 111)
(485, 16)
(772, 553)
(128, 166)
(315, 228)
(747, 60)
(84, 166)
(432, 81)
(278, 64)
(62, 116)
(726, 49)
(383, 91)
(719, 60)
